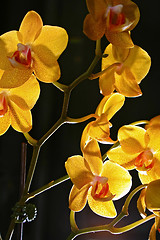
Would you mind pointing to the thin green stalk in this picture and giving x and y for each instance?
(50, 132)
(74, 226)
(33, 163)
(132, 225)
(10, 230)
(47, 187)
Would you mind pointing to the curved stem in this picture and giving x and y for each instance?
(74, 226)
(33, 163)
(82, 119)
(132, 225)
(10, 230)
(29, 139)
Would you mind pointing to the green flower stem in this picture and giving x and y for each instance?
(74, 226)
(130, 196)
(10, 230)
(97, 75)
(47, 187)
(60, 86)
(50, 132)
(33, 163)
(29, 139)
(132, 225)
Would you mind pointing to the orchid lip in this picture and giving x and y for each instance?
(22, 58)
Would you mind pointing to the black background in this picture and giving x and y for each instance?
(52, 221)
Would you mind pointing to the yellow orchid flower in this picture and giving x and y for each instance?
(99, 129)
(95, 181)
(34, 48)
(15, 105)
(150, 199)
(139, 149)
(123, 70)
(113, 18)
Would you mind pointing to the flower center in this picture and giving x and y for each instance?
(22, 58)
(115, 17)
(3, 105)
(100, 189)
(144, 161)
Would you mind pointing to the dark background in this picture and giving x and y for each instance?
(52, 221)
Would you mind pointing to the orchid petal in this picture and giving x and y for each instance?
(79, 171)
(30, 27)
(5, 122)
(132, 139)
(78, 198)
(122, 158)
(126, 84)
(8, 45)
(102, 208)
(92, 155)
(52, 40)
(26, 95)
(21, 120)
(119, 179)
(138, 62)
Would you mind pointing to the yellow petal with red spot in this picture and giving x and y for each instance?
(5, 122)
(21, 120)
(8, 45)
(52, 41)
(26, 95)
(126, 84)
(138, 62)
(124, 159)
(153, 173)
(132, 139)
(92, 155)
(30, 27)
(78, 198)
(119, 179)
(100, 207)
(153, 195)
(154, 137)
(79, 171)
(15, 77)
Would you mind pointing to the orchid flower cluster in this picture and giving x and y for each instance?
(29, 56)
